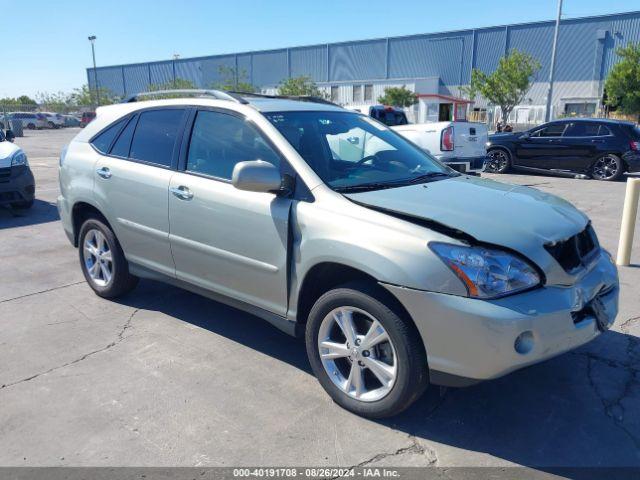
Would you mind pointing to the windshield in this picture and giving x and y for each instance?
(350, 151)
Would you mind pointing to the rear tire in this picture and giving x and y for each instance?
(608, 167)
(31, 126)
(499, 161)
(102, 260)
(374, 380)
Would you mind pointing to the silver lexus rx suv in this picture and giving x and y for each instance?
(334, 228)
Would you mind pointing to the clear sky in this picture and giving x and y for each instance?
(45, 46)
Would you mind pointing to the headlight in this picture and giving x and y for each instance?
(486, 272)
(19, 158)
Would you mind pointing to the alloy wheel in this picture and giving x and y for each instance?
(605, 168)
(357, 354)
(98, 259)
(498, 161)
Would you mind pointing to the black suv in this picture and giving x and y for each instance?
(604, 149)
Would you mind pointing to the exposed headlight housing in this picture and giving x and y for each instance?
(487, 272)
(19, 158)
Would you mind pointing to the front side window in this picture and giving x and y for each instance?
(155, 136)
(219, 141)
(352, 152)
(551, 130)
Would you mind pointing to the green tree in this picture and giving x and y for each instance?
(623, 82)
(56, 102)
(508, 84)
(398, 97)
(300, 86)
(86, 97)
(233, 81)
(21, 102)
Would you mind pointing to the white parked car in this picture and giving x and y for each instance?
(30, 120)
(460, 145)
(54, 120)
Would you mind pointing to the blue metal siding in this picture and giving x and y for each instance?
(212, 69)
(623, 30)
(161, 72)
(309, 61)
(361, 60)
(245, 68)
(586, 52)
(489, 48)
(446, 56)
(270, 68)
(190, 70)
(535, 40)
(136, 78)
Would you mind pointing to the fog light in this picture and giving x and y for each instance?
(524, 342)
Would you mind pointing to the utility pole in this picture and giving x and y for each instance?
(92, 39)
(552, 72)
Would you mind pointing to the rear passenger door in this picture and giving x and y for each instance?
(583, 140)
(132, 184)
(223, 239)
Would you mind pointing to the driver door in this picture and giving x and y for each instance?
(539, 149)
(226, 240)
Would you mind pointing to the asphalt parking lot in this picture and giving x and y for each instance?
(167, 378)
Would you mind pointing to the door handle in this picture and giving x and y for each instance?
(182, 192)
(104, 172)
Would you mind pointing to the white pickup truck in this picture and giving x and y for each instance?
(460, 145)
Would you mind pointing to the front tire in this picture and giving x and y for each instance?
(102, 261)
(499, 161)
(23, 205)
(608, 167)
(367, 356)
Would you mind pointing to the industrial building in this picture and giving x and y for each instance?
(434, 65)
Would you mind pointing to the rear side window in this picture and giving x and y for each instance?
(122, 145)
(155, 136)
(104, 140)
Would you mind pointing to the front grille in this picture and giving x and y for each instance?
(5, 173)
(575, 252)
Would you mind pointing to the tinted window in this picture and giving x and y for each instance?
(121, 147)
(155, 136)
(582, 129)
(219, 141)
(552, 130)
(103, 141)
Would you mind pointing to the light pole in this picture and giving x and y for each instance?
(547, 114)
(92, 39)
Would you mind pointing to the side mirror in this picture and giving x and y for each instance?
(10, 136)
(525, 136)
(256, 176)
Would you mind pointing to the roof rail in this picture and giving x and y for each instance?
(219, 94)
(300, 98)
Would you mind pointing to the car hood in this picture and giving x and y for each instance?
(519, 218)
(7, 149)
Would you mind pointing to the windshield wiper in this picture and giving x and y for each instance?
(365, 187)
(428, 176)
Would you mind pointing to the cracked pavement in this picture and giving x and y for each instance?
(164, 377)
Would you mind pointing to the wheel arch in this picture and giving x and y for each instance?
(82, 211)
(328, 275)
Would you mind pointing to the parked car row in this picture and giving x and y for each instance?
(42, 120)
